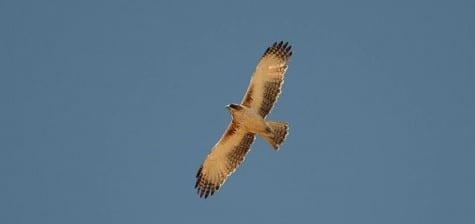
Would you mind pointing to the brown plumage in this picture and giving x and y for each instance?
(269, 77)
(248, 119)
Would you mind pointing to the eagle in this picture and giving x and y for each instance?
(248, 120)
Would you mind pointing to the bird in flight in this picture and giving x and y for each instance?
(248, 120)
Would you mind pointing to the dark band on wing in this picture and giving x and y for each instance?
(205, 187)
(230, 131)
(236, 156)
(271, 92)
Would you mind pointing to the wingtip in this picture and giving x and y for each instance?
(205, 189)
(281, 49)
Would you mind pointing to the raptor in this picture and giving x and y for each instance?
(248, 120)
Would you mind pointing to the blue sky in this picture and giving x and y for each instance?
(108, 109)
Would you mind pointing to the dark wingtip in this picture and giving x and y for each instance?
(204, 189)
(281, 48)
(198, 174)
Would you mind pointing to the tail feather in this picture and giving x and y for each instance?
(280, 131)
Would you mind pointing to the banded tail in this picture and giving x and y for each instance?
(280, 130)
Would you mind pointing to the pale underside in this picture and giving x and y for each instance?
(230, 151)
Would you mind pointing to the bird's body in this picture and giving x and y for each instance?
(248, 120)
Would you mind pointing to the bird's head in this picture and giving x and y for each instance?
(233, 107)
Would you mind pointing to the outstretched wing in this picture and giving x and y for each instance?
(223, 159)
(266, 82)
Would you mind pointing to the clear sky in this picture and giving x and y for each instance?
(108, 108)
